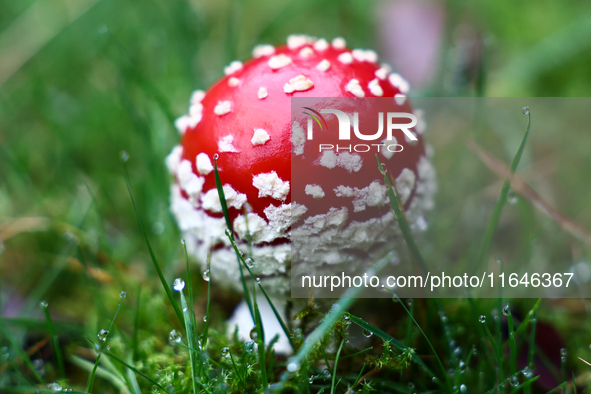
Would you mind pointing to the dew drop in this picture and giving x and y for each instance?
(326, 373)
(434, 379)
(43, 304)
(249, 262)
(462, 366)
(463, 388)
(514, 381)
(158, 228)
(498, 260)
(185, 309)
(297, 333)
(457, 351)
(37, 364)
(253, 334)
(204, 318)
(225, 351)
(174, 337)
(103, 29)
(122, 294)
(216, 156)
(507, 310)
(525, 110)
(367, 333)
(102, 335)
(54, 386)
(258, 280)
(124, 155)
(183, 242)
(292, 365)
(482, 319)
(249, 346)
(475, 352)
(563, 351)
(512, 197)
(67, 390)
(206, 275)
(527, 372)
(228, 233)
(178, 284)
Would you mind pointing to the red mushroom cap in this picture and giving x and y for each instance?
(245, 118)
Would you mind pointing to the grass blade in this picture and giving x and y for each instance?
(190, 330)
(496, 350)
(101, 348)
(275, 311)
(260, 341)
(334, 368)
(222, 197)
(496, 215)
(443, 371)
(152, 255)
(136, 324)
(55, 340)
(206, 324)
(398, 210)
(511, 340)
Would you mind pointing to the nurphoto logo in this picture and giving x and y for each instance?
(394, 121)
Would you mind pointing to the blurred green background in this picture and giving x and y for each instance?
(83, 80)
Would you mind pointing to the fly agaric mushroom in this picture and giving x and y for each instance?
(244, 120)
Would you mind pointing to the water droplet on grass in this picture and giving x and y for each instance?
(507, 310)
(292, 365)
(249, 262)
(54, 386)
(158, 228)
(525, 110)
(367, 333)
(514, 381)
(174, 338)
(102, 335)
(124, 155)
(527, 372)
(249, 346)
(463, 388)
(206, 275)
(216, 156)
(482, 319)
(258, 280)
(178, 284)
(204, 318)
(326, 373)
(297, 333)
(253, 334)
(122, 294)
(225, 351)
(43, 304)
(228, 233)
(512, 197)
